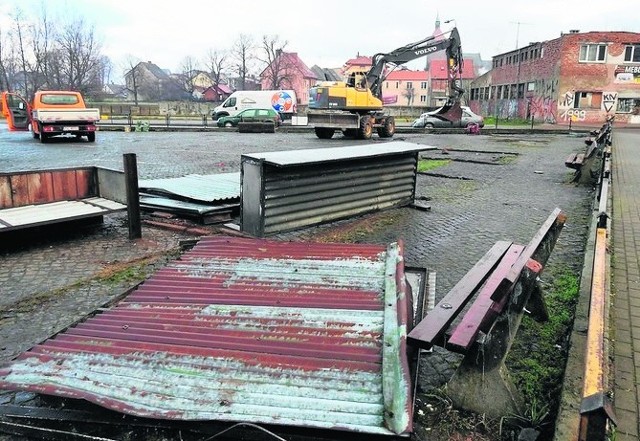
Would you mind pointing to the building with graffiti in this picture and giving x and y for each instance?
(578, 77)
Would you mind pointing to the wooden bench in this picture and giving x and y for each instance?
(41, 197)
(591, 158)
(494, 293)
(575, 161)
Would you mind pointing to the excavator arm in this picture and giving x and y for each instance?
(375, 76)
(355, 106)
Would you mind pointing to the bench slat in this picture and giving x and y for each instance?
(431, 329)
(538, 244)
(481, 311)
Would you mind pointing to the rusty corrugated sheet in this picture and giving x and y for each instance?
(299, 334)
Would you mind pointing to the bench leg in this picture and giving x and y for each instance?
(482, 383)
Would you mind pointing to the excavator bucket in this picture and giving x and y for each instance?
(450, 112)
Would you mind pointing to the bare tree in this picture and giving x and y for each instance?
(42, 40)
(80, 51)
(216, 62)
(242, 53)
(133, 76)
(189, 68)
(5, 64)
(279, 68)
(18, 23)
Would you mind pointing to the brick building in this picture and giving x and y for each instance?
(578, 77)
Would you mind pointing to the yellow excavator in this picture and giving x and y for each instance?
(355, 106)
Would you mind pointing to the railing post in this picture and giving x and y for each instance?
(133, 198)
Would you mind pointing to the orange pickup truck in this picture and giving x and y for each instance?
(52, 112)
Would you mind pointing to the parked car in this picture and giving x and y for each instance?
(432, 119)
(250, 115)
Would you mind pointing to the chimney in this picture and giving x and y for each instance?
(278, 52)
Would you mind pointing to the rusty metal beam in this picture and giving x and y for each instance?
(596, 409)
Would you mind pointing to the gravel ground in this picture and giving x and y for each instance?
(494, 188)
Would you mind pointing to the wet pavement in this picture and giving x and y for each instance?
(501, 188)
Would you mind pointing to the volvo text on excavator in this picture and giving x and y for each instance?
(355, 107)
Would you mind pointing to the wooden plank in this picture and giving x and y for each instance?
(40, 187)
(6, 198)
(20, 190)
(480, 312)
(431, 329)
(85, 182)
(539, 248)
(64, 185)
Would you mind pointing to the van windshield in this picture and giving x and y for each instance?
(230, 102)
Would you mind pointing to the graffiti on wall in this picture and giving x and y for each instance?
(608, 100)
(573, 115)
(567, 99)
(543, 104)
(566, 110)
(543, 108)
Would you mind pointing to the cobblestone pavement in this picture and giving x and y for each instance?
(626, 282)
(511, 187)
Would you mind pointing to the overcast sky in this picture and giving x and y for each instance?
(326, 32)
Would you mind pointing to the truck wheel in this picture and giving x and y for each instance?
(324, 133)
(388, 129)
(44, 138)
(91, 137)
(35, 135)
(366, 130)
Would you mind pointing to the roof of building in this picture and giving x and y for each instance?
(360, 60)
(224, 88)
(291, 59)
(154, 69)
(438, 70)
(408, 75)
(326, 74)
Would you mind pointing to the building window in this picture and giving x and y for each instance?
(531, 86)
(423, 98)
(409, 85)
(397, 84)
(629, 105)
(593, 53)
(632, 53)
(587, 100)
(423, 85)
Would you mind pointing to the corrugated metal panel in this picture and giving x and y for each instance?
(13, 218)
(299, 334)
(290, 194)
(315, 156)
(206, 188)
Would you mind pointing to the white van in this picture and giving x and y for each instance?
(282, 101)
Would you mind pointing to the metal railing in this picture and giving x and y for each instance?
(596, 409)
